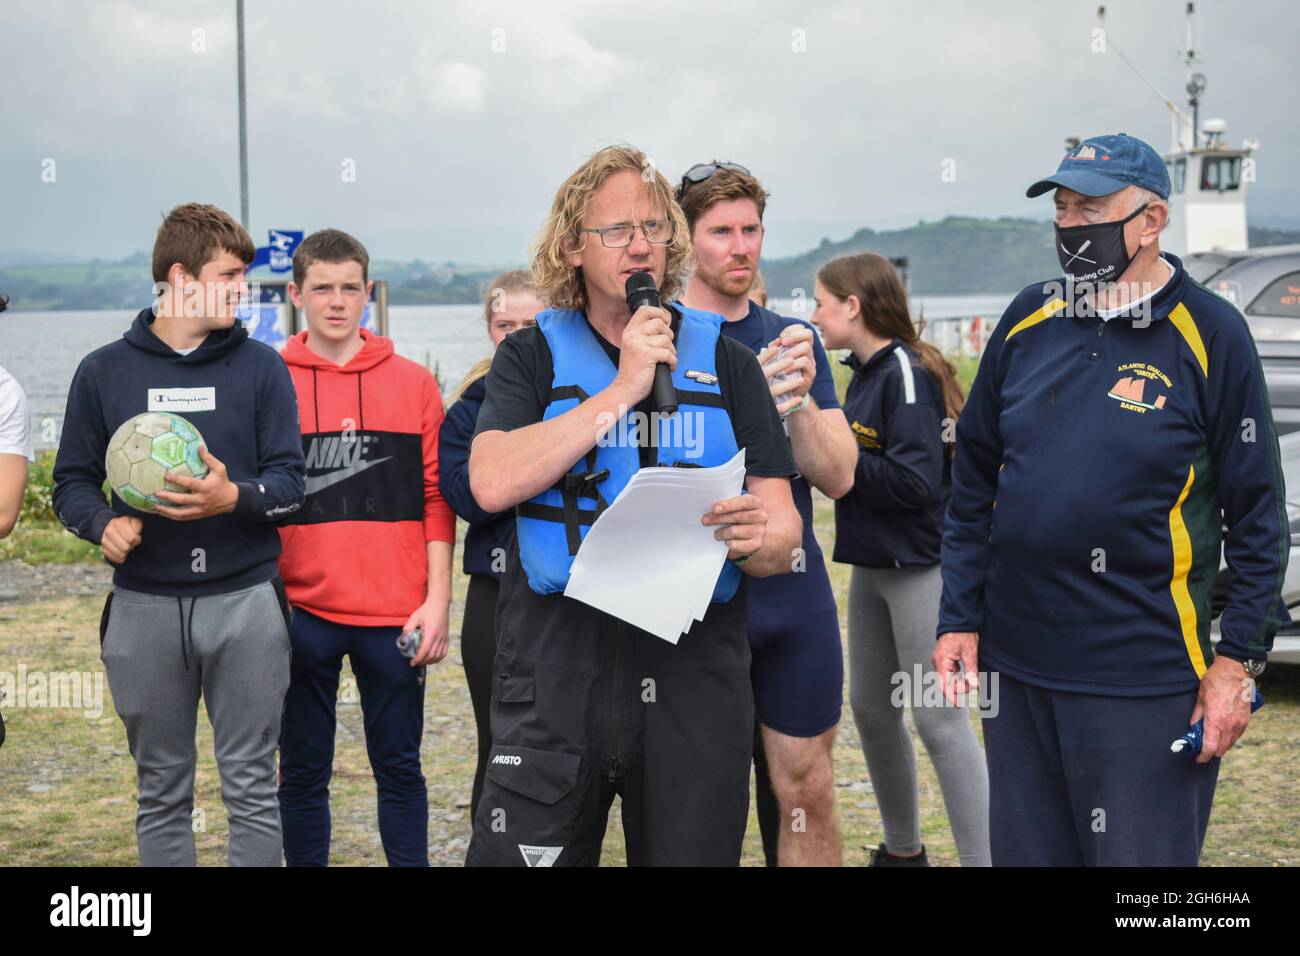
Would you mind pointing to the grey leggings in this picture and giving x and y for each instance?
(892, 616)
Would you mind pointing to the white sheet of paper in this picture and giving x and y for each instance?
(648, 560)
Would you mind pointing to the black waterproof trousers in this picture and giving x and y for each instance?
(585, 706)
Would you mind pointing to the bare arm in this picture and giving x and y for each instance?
(507, 467)
(824, 448)
(13, 481)
(432, 617)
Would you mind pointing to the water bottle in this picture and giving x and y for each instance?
(409, 644)
(1190, 743)
(783, 376)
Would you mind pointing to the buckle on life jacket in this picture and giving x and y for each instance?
(577, 485)
(584, 485)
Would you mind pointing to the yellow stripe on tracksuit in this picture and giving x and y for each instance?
(1182, 542)
(1046, 312)
(1182, 320)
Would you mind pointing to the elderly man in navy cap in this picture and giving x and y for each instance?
(1119, 420)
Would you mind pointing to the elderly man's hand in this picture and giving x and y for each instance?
(1224, 702)
(956, 659)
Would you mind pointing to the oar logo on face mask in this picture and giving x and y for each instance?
(1107, 253)
(1076, 256)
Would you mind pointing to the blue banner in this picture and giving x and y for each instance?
(278, 252)
(267, 318)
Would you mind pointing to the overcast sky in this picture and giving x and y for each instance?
(461, 118)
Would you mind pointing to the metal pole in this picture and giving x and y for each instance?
(1191, 58)
(243, 116)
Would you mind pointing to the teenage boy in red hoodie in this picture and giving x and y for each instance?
(367, 557)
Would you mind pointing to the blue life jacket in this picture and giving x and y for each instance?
(551, 525)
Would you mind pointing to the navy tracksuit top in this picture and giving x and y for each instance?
(894, 514)
(1097, 466)
(488, 539)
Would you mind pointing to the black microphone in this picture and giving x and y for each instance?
(641, 290)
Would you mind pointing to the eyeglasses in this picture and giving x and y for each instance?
(702, 171)
(658, 231)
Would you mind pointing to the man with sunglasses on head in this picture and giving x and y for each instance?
(1119, 423)
(585, 706)
(794, 632)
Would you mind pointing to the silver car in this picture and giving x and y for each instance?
(1286, 646)
(1264, 284)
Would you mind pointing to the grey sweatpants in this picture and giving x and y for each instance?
(161, 653)
(892, 616)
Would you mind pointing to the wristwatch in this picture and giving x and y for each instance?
(1253, 668)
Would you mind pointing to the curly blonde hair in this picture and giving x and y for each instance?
(559, 284)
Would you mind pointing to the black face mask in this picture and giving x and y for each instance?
(1095, 253)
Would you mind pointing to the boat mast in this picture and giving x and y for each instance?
(1177, 116)
(1195, 81)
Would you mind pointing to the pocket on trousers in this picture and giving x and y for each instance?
(103, 622)
(282, 599)
(514, 690)
(542, 775)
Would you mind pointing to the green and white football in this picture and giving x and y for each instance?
(145, 448)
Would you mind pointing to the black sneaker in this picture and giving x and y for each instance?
(882, 857)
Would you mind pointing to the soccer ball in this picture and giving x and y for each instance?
(145, 448)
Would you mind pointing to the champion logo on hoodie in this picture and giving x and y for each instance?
(183, 399)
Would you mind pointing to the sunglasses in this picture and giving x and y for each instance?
(702, 171)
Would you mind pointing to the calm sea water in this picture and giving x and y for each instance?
(42, 349)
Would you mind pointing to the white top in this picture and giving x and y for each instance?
(185, 351)
(15, 425)
(1107, 314)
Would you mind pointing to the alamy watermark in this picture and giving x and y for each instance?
(921, 688)
(626, 429)
(56, 690)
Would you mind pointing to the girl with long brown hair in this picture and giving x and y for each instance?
(902, 405)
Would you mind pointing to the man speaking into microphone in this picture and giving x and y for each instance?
(585, 706)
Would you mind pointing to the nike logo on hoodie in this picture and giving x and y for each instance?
(316, 483)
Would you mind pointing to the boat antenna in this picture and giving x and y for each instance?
(1179, 116)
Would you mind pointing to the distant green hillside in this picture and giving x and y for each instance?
(954, 256)
(128, 283)
(950, 257)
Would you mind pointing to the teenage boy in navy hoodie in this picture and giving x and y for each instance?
(197, 607)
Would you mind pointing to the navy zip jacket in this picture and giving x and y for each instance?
(893, 516)
(488, 531)
(238, 394)
(1097, 463)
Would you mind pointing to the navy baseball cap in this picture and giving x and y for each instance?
(1101, 165)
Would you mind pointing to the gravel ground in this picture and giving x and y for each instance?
(22, 583)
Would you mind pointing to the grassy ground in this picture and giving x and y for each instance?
(41, 542)
(67, 782)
